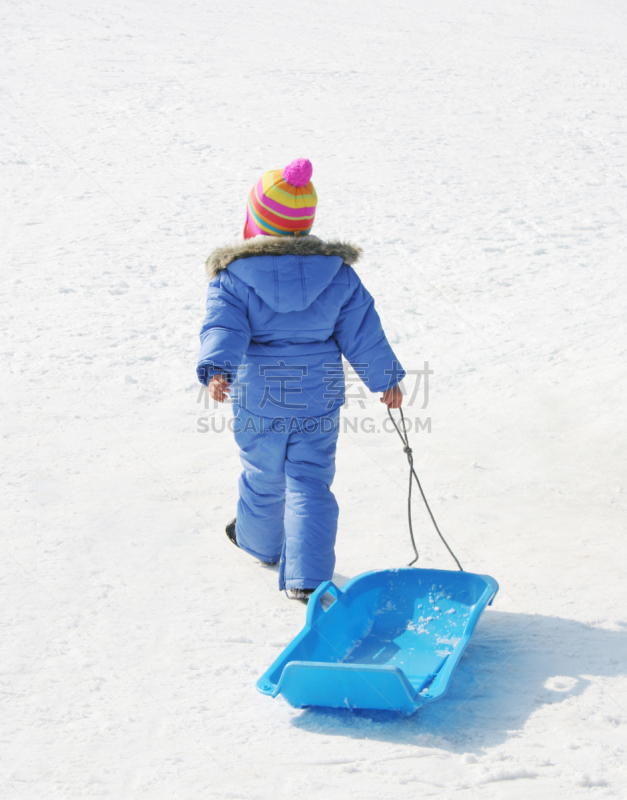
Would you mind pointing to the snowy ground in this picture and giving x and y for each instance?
(476, 151)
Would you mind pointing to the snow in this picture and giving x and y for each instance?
(476, 151)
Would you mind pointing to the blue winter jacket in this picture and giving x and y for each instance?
(280, 314)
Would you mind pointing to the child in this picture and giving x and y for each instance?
(282, 308)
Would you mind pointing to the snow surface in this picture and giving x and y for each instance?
(476, 151)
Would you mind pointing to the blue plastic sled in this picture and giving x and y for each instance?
(390, 640)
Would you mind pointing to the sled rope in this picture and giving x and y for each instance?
(402, 432)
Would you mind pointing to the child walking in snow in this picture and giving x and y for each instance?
(282, 308)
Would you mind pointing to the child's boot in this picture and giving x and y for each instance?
(300, 594)
(231, 535)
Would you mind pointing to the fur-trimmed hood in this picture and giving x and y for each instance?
(279, 246)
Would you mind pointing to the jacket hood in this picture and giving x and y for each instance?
(287, 273)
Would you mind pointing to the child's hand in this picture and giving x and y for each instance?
(393, 398)
(219, 388)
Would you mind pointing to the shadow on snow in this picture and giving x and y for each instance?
(514, 665)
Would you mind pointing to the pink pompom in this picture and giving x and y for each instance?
(299, 172)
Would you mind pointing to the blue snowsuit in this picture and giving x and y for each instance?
(280, 314)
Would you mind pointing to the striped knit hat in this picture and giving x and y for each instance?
(282, 202)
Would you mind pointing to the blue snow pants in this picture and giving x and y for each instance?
(286, 509)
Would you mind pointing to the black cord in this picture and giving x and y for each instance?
(402, 432)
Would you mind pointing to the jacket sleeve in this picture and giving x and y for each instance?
(225, 333)
(361, 339)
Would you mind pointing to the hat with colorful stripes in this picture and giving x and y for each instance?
(282, 202)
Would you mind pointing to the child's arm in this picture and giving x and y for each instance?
(359, 334)
(224, 336)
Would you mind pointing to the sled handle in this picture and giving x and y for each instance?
(314, 606)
